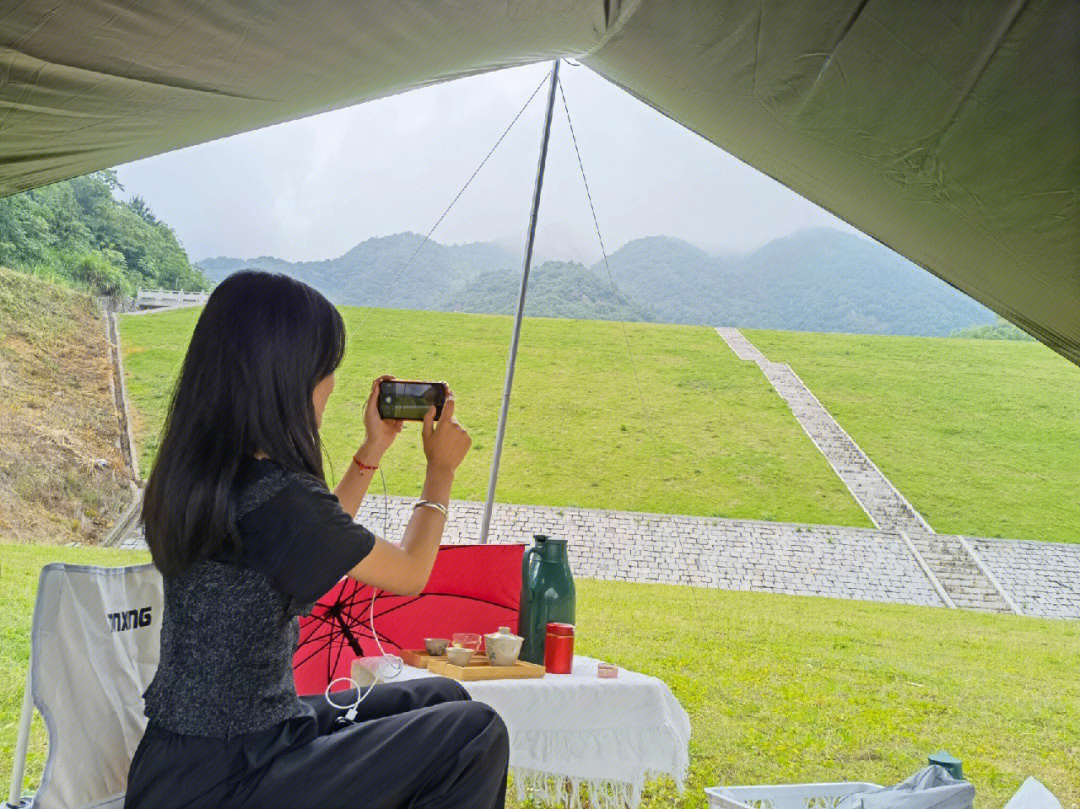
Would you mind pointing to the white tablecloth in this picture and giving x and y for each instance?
(575, 729)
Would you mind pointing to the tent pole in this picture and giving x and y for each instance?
(500, 433)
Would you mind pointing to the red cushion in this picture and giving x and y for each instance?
(473, 588)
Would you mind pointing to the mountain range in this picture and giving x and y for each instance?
(813, 280)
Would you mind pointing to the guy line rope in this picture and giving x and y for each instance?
(553, 75)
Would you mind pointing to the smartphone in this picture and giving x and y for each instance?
(409, 400)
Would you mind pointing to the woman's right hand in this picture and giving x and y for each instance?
(446, 443)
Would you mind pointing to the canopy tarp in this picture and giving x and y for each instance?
(948, 131)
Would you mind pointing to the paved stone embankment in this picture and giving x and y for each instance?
(727, 554)
(831, 561)
(1043, 578)
(959, 573)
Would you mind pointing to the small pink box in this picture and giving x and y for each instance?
(607, 671)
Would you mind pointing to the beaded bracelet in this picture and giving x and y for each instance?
(363, 466)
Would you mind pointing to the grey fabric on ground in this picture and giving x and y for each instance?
(1033, 795)
(930, 788)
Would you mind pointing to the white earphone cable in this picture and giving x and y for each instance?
(391, 665)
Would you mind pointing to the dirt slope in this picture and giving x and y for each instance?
(63, 477)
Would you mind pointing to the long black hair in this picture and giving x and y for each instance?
(262, 344)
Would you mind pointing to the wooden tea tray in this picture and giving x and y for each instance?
(419, 658)
(480, 669)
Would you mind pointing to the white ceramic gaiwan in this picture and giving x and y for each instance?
(503, 647)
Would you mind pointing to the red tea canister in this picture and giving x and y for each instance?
(559, 648)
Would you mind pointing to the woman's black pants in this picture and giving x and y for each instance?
(419, 744)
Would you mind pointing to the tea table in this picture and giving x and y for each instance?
(574, 730)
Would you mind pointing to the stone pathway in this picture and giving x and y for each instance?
(887, 508)
(949, 564)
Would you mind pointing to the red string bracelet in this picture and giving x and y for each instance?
(363, 466)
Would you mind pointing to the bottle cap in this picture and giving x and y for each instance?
(560, 629)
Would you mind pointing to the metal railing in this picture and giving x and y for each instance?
(147, 298)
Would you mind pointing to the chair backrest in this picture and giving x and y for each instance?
(94, 649)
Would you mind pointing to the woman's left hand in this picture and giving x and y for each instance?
(379, 432)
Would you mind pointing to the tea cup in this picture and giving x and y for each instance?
(436, 646)
(459, 655)
(466, 640)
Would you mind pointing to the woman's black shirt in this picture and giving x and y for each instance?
(230, 628)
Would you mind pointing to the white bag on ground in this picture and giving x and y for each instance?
(930, 788)
(94, 649)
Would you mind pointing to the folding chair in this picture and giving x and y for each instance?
(93, 651)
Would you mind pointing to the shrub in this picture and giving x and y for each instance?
(98, 274)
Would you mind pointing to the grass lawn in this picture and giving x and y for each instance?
(727, 444)
(19, 569)
(779, 688)
(982, 436)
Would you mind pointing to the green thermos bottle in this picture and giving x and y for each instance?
(547, 594)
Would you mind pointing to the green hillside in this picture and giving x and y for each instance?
(671, 275)
(1000, 329)
(982, 436)
(726, 443)
(78, 233)
(556, 289)
(361, 276)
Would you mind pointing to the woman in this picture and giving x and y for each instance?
(247, 536)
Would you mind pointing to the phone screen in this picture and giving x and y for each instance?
(410, 401)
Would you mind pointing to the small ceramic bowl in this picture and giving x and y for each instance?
(459, 655)
(436, 646)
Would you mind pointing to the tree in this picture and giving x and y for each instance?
(78, 231)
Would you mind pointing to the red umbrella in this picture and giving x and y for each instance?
(473, 588)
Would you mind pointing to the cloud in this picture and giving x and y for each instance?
(313, 188)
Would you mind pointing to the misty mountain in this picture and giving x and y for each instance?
(556, 289)
(362, 275)
(668, 275)
(814, 280)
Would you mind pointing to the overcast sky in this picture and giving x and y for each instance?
(314, 188)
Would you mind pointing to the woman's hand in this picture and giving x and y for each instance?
(379, 433)
(446, 444)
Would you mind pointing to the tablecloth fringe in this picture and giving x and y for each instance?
(567, 791)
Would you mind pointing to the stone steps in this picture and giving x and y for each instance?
(961, 578)
(950, 563)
